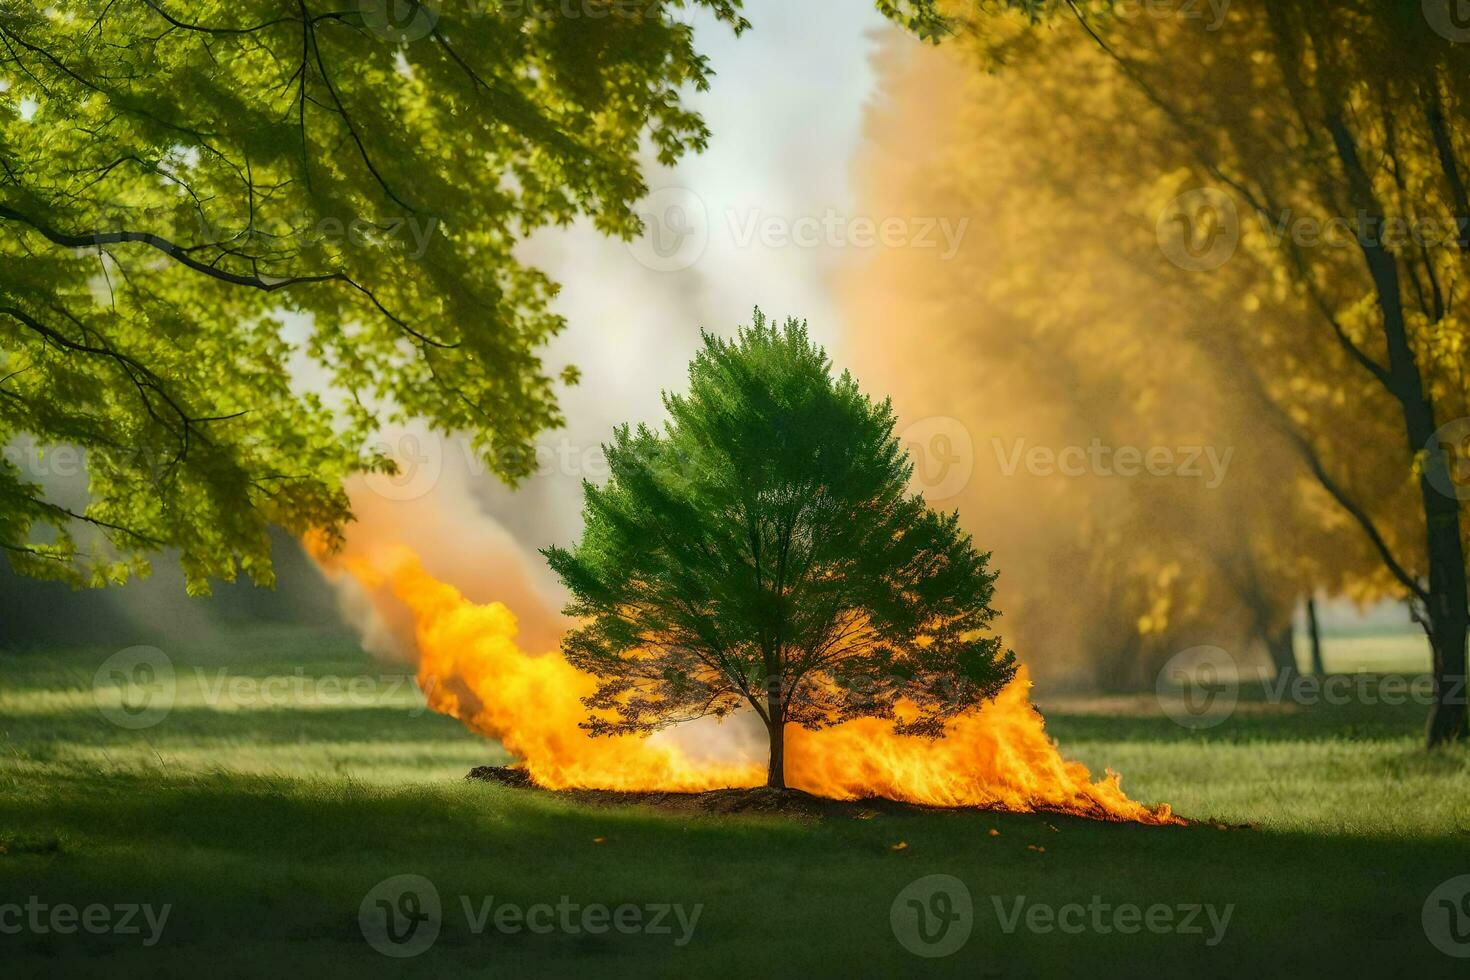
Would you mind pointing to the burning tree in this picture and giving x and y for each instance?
(763, 550)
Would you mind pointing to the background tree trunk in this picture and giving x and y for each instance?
(1315, 632)
(1446, 610)
(1281, 646)
(1447, 622)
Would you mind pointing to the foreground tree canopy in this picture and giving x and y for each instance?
(764, 550)
(185, 186)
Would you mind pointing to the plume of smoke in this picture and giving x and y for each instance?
(457, 542)
(1051, 331)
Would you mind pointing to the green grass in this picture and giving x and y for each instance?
(265, 820)
(1382, 649)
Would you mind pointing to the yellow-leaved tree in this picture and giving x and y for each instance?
(1119, 286)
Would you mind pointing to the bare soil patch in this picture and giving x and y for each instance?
(757, 799)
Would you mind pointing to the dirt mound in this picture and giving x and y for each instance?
(508, 775)
(762, 799)
(757, 799)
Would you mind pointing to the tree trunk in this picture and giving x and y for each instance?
(776, 770)
(1446, 607)
(1448, 615)
(776, 731)
(1315, 632)
(1281, 645)
(1272, 624)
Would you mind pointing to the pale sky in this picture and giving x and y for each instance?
(786, 111)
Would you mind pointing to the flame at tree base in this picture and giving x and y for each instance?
(471, 667)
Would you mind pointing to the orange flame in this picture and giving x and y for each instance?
(471, 667)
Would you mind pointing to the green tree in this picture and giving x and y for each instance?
(184, 186)
(213, 212)
(764, 549)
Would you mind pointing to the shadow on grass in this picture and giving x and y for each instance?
(1345, 707)
(276, 869)
(266, 875)
(265, 726)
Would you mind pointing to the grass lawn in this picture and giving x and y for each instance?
(270, 800)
